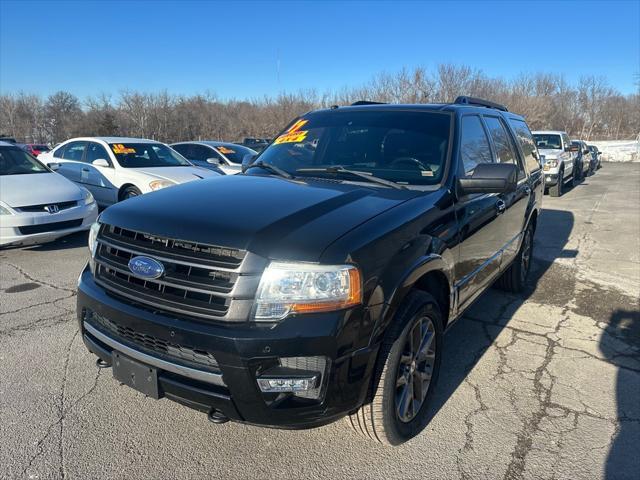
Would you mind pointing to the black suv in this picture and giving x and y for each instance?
(318, 284)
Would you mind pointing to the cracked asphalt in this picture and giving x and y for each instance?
(544, 385)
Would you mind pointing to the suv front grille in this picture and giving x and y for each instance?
(150, 344)
(198, 279)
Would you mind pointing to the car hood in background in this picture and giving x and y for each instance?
(550, 152)
(175, 174)
(37, 189)
(270, 216)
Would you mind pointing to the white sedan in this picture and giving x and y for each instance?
(117, 168)
(36, 204)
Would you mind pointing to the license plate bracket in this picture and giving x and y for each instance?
(136, 375)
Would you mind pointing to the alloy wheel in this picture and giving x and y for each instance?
(415, 369)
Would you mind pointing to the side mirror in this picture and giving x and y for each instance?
(574, 148)
(100, 162)
(213, 161)
(247, 160)
(53, 166)
(490, 178)
(586, 151)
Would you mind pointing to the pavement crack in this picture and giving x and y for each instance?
(39, 282)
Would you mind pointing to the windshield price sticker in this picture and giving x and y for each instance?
(119, 148)
(294, 134)
(225, 150)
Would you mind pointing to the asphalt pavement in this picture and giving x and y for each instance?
(544, 385)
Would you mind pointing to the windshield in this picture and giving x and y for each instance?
(142, 155)
(406, 147)
(234, 153)
(40, 148)
(548, 141)
(14, 161)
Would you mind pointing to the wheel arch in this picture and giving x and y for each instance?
(123, 187)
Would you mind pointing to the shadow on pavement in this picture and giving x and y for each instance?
(464, 346)
(623, 460)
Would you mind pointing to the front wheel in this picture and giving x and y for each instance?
(405, 376)
(556, 190)
(130, 192)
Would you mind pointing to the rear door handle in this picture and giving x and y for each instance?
(500, 206)
(85, 169)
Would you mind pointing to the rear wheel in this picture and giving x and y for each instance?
(556, 190)
(514, 278)
(406, 373)
(575, 177)
(130, 192)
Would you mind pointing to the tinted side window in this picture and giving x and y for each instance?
(96, 151)
(202, 153)
(74, 151)
(503, 144)
(474, 145)
(184, 150)
(565, 139)
(526, 143)
(58, 152)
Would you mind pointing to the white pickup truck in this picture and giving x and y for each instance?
(559, 162)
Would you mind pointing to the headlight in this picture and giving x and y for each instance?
(158, 184)
(4, 210)
(551, 163)
(88, 198)
(305, 288)
(93, 238)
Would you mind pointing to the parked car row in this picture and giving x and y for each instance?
(565, 160)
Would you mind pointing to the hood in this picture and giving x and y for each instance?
(37, 189)
(269, 216)
(550, 152)
(176, 174)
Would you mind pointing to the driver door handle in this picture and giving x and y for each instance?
(500, 206)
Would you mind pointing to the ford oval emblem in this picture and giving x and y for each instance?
(145, 267)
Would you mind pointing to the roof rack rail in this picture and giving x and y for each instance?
(366, 102)
(464, 100)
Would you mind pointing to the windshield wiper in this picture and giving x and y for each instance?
(367, 176)
(271, 168)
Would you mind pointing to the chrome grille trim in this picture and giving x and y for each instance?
(190, 287)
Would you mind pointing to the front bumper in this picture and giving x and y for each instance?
(243, 352)
(10, 225)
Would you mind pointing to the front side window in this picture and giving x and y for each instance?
(504, 148)
(145, 155)
(548, 141)
(474, 144)
(14, 161)
(526, 143)
(405, 147)
(235, 153)
(95, 151)
(74, 151)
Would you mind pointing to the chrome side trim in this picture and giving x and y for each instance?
(208, 377)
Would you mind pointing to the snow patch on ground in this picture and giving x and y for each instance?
(618, 150)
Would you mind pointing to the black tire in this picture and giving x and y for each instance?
(556, 190)
(575, 177)
(379, 418)
(515, 277)
(130, 192)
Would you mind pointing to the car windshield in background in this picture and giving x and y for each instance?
(18, 162)
(40, 148)
(548, 141)
(141, 155)
(405, 147)
(235, 153)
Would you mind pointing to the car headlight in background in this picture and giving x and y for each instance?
(88, 198)
(93, 238)
(287, 288)
(158, 184)
(551, 163)
(4, 210)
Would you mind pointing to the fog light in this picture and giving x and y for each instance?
(276, 385)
